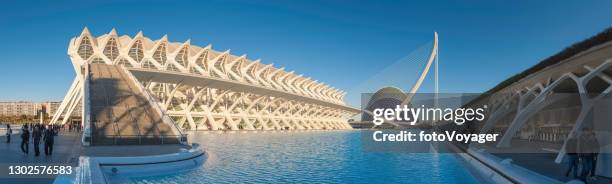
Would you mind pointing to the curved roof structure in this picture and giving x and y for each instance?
(193, 87)
(387, 97)
(386, 92)
(573, 50)
(142, 52)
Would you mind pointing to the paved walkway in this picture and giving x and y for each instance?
(536, 156)
(66, 151)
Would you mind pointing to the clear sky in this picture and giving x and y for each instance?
(338, 42)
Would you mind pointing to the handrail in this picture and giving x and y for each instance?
(130, 136)
(157, 129)
(122, 75)
(163, 139)
(133, 120)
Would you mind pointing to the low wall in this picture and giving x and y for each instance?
(102, 170)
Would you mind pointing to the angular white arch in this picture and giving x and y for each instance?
(432, 57)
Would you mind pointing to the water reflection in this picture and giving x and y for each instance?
(311, 157)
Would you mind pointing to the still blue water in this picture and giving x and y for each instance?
(311, 157)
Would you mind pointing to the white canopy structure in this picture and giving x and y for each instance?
(201, 88)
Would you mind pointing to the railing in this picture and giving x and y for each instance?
(137, 139)
(155, 104)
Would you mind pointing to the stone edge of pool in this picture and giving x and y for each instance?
(101, 170)
(495, 170)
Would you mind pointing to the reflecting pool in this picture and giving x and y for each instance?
(310, 157)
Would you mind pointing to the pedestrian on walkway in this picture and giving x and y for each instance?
(56, 129)
(36, 136)
(9, 131)
(594, 152)
(48, 139)
(589, 148)
(571, 150)
(25, 139)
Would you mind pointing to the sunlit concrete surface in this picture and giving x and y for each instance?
(198, 88)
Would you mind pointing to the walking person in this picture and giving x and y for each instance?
(48, 140)
(56, 129)
(9, 131)
(594, 152)
(588, 153)
(25, 139)
(36, 136)
(572, 155)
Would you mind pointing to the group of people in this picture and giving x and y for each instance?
(35, 132)
(73, 126)
(582, 151)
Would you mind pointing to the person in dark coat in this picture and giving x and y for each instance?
(25, 139)
(589, 149)
(571, 149)
(36, 136)
(48, 140)
(9, 131)
(594, 152)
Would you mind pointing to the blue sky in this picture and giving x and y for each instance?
(341, 43)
